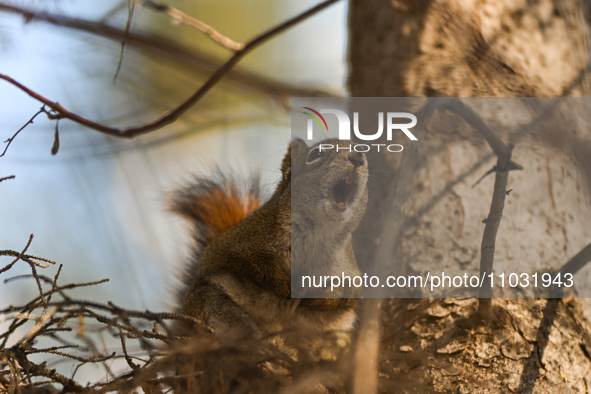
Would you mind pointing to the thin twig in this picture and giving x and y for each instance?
(130, 11)
(131, 364)
(38, 326)
(181, 17)
(53, 348)
(7, 177)
(9, 141)
(173, 115)
(54, 285)
(114, 11)
(59, 289)
(19, 256)
(82, 359)
(18, 315)
(41, 370)
(38, 281)
(12, 253)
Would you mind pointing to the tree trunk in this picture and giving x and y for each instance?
(480, 49)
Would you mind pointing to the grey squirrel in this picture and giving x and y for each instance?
(240, 274)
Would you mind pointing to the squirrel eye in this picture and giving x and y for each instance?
(314, 155)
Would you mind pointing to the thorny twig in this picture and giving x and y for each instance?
(504, 165)
(173, 115)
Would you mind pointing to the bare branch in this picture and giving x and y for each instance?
(577, 262)
(181, 17)
(455, 105)
(165, 48)
(173, 115)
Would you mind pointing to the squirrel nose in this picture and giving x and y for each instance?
(357, 158)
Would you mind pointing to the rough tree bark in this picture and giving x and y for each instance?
(477, 49)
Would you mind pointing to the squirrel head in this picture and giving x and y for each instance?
(328, 188)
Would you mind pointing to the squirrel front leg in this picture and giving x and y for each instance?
(217, 309)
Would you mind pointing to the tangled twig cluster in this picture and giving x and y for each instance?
(156, 360)
(53, 314)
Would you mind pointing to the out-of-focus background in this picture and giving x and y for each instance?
(99, 206)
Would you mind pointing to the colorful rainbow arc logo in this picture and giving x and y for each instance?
(315, 118)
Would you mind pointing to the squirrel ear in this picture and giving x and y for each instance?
(295, 149)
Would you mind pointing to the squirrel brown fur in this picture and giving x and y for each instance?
(240, 275)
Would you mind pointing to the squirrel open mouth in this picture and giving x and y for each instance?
(343, 191)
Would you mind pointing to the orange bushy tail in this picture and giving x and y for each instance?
(214, 205)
